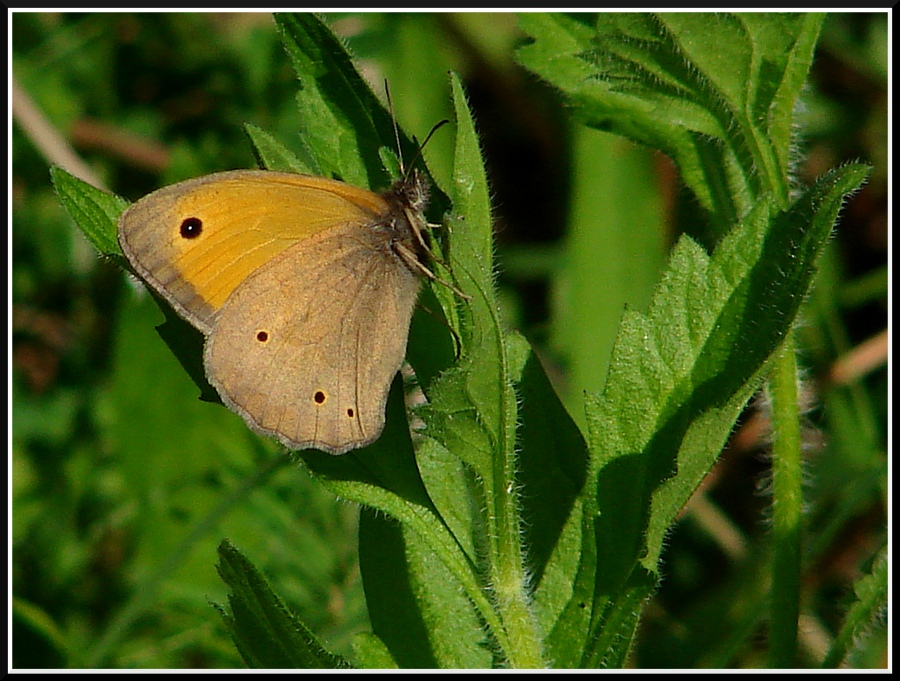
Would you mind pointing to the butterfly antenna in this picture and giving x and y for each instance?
(434, 129)
(404, 171)
(390, 103)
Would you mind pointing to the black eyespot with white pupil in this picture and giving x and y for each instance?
(191, 228)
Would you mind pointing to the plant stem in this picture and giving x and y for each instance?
(787, 502)
(510, 581)
(508, 570)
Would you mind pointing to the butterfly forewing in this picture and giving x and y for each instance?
(195, 242)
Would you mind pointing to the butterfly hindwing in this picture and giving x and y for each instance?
(307, 347)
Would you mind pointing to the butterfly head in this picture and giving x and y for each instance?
(412, 191)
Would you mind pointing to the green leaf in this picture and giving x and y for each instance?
(344, 123)
(716, 92)
(384, 476)
(417, 607)
(96, 214)
(552, 471)
(565, 597)
(871, 591)
(95, 211)
(372, 653)
(265, 632)
(272, 154)
(345, 127)
(681, 374)
(466, 410)
(614, 622)
(491, 361)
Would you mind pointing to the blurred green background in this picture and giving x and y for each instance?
(123, 482)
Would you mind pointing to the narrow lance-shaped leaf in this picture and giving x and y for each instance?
(93, 210)
(343, 121)
(265, 632)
